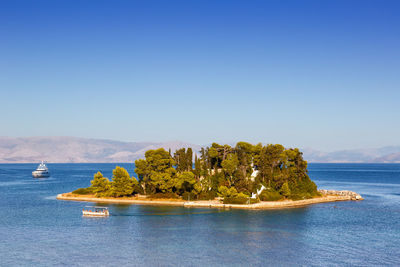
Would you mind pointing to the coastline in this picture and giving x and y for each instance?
(208, 203)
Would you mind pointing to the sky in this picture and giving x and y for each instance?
(310, 74)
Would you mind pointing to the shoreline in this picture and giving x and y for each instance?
(263, 205)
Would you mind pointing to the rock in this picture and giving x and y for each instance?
(351, 194)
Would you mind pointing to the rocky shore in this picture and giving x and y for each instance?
(351, 194)
(327, 196)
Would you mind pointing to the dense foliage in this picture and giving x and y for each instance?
(233, 173)
(121, 185)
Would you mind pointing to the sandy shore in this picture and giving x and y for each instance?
(205, 203)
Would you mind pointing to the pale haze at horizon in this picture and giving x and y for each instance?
(323, 75)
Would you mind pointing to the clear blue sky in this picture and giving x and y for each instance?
(319, 74)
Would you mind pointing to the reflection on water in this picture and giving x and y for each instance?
(38, 230)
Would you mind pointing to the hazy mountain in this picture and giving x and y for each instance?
(73, 149)
(390, 154)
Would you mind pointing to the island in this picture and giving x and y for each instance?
(244, 176)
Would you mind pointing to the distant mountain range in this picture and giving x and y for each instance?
(74, 149)
(389, 154)
(85, 150)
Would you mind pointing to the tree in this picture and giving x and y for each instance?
(186, 182)
(230, 165)
(183, 159)
(217, 154)
(122, 184)
(179, 157)
(100, 185)
(159, 160)
(197, 167)
(213, 155)
(244, 152)
(189, 159)
(270, 159)
(285, 190)
(142, 169)
(157, 171)
(163, 182)
(256, 154)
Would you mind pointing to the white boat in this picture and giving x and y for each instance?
(95, 211)
(41, 171)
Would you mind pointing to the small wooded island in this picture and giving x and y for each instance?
(244, 176)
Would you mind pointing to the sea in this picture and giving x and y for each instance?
(36, 229)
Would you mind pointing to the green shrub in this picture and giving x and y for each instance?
(238, 199)
(254, 200)
(300, 196)
(297, 197)
(247, 193)
(163, 195)
(210, 195)
(270, 195)
(83, 191)
(227, 192)
(189, 196)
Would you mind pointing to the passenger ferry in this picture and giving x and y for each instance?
(95, 211)
(41, 172)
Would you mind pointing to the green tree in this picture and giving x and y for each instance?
(213, 156)
(186, 182)
(180, 159)
(256, 154)
(163, 182)
(269, 162)
(244, 152)
(159, 160)
(285, 190)
(122, 184)
(183, 159)
(230, 165)
(100, 185)
(217, 154)
(157, 171)
(142, 169)
(189, 159)
(197, 167)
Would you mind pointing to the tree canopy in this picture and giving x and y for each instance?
(122, 184)
(100, 185)
(219, 169)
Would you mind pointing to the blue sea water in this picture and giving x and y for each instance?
(38, 230)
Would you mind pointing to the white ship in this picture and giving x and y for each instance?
(41, 171)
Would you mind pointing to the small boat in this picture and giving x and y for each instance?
(41, 171)
(95, 211)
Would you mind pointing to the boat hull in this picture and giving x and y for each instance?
(95, 214)
(40, 174)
